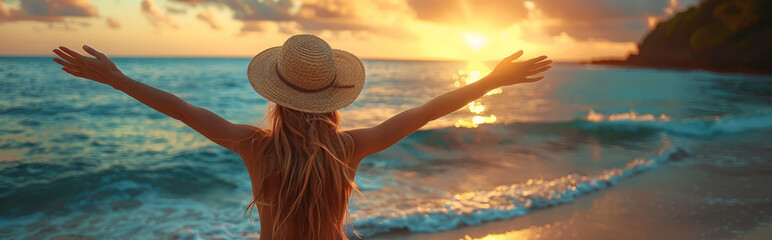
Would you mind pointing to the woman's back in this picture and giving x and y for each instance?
(301, 175)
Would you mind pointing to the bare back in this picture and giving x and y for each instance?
(268, 184)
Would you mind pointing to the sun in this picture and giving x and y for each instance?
(476, 41)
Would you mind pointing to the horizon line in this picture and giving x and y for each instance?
(363, 58)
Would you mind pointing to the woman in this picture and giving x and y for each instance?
(302, 169)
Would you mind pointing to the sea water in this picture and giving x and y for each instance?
(80, 159)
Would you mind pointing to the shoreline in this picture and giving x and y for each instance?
(632, 209)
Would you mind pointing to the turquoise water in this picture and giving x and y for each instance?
(80, 159)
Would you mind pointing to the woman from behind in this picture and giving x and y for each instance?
(301, 177)
(302, 168)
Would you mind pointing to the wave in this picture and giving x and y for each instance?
(634, 122)
(425, 145)
(503, 202)
(75, 189)
(30, 188)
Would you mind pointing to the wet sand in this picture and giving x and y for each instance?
(661, 204)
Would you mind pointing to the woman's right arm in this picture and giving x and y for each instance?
(372, 140)
(102, 70)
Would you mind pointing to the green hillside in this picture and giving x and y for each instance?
(720, 35)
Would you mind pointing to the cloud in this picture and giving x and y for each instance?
(259, 26)
(308, 15)
(47, 10)
(603, 19)
(113, 23)
(289, 28)
(492, 14)
(176, 10)
(155, 17)
(69, 25)
(675, 6)
(208, 17)
(78, 8)
(611, 20)
(192, 2)
(4, 13)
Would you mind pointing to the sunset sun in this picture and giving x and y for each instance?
(476, 41)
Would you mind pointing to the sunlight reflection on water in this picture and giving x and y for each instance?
(473, 72)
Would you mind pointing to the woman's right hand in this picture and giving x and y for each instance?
(508, 72)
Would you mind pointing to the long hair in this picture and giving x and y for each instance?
(302, 174)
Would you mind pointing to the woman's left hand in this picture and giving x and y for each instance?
(99, 68)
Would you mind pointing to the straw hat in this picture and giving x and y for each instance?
(307, 75)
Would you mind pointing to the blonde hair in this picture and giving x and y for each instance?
(304, 158)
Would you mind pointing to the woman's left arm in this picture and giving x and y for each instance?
(101, 69)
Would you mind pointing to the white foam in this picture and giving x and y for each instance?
(507, 201)
(697, 127)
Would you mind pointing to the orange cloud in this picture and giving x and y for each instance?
(155, 16)
(47, 10)
(176, 10)
(418, 29)
(589, 19)
(670, 9)
(612, 20)
(308, 15)
(208, 17)
(493, 13)
(113, 23)
(673, 6)
(4, 13)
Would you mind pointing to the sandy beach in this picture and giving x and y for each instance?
(634, 209)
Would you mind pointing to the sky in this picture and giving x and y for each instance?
(567, 30)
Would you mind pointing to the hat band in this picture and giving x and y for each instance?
(302, 89)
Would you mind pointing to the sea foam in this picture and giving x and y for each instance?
(634, 122)
(503, 202)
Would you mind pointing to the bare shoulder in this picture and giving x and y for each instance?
(358, 137)
(248, 136)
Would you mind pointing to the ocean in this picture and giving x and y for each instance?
(662, 154)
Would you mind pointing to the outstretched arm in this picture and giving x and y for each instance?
(101, 69)
(507, 72)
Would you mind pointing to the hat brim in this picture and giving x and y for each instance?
(264, 79)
